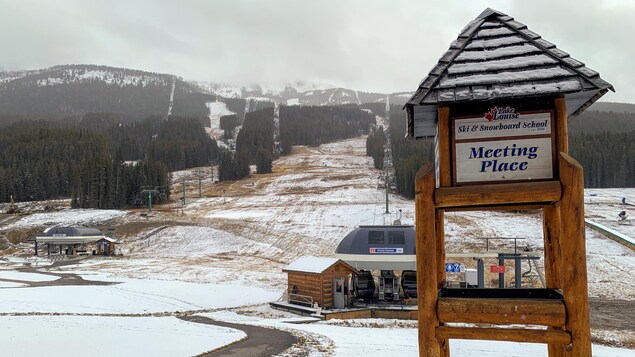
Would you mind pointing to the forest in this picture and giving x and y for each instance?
(255, 139)
(318, 125)
(99, 162)
(603, 143)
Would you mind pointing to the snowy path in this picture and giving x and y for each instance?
(260, 341)
(172, 96)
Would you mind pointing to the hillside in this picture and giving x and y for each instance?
(74, 90)
(239, 235)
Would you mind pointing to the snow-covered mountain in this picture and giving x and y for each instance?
(302, 93)
(74, 90)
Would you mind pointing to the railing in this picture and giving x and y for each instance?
(300, 299)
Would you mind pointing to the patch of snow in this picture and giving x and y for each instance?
(293, 101)
(14, 275)
(469, 67)
(386, 339)
(132, 296)
(6, 284)
(139, 336)
(494, 32)
(67, 217)
(259, 99)
(311, 264)
(494, 42)
(519, 50)
(614, 232)
(505, 77)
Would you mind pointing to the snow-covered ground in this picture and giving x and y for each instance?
(66, 217)
(131, 296)
(227, 249)
(13, 275)
(109, 336)
(216, 111)
(383, 337)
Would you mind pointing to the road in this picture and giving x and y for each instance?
(260, 341)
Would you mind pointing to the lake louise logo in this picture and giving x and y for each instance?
(505, 113)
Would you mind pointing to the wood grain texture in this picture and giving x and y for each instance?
(573, 251)
(501, 311)
(498, 194)
(444, 146)
(426, 262)
(499, 334)
(553, 259)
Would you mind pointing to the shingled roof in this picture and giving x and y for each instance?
(496, 57)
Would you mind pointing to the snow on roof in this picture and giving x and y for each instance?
(311, 264)
(496, 57)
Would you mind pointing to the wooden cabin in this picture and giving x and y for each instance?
(321, 280)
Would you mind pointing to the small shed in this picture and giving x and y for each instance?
(73, 240)
(319, 280)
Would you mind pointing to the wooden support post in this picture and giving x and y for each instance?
(427, 286)
(562, 130)
(573, 250)
(440, 247)
(553, 258)
(551, 229)
(443, 156)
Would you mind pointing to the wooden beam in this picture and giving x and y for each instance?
(498, 194)
(573, 251)
(427, 290)
(501, 311)
(505, 334)
(553, 259)
(497, 208)
(562, 130)
(443, 156)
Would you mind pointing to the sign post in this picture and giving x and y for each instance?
(498, 104)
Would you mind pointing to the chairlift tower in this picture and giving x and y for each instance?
(150, 190)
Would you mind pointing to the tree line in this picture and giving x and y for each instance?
(313, 126)
(100, 161)
(41, 162)
(603, 143)
(256, 139)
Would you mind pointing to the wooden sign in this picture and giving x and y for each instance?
(503, 145)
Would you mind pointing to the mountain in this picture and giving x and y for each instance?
(74, 90)
(302, 93)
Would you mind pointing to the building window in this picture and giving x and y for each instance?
(376, 237)
(396, 238)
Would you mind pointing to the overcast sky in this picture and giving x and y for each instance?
(382, 46)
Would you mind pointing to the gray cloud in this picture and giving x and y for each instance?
(366, 45)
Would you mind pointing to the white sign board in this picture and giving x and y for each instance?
(481, 128)
(525, 159)
(503, 145)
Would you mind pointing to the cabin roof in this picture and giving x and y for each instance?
(314, 265)
(72, 232)
(496, 57)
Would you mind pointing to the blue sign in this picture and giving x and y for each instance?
(452, 267)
